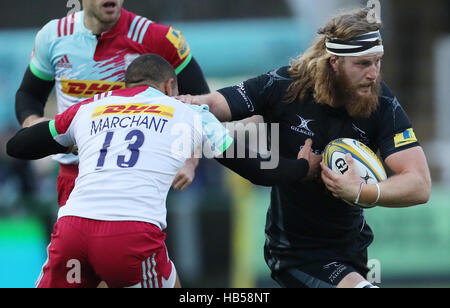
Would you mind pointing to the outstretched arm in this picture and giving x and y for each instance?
(287, 171)
(34, 142)
(216, 102)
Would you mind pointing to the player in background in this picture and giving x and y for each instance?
(112, 224)
(87, 53)
(333, 90)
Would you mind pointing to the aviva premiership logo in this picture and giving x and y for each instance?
(88, 88)
(405, 138)
(179, 42)
(132, 109)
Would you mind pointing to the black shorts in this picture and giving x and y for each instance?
(315, 275)
(319, 267)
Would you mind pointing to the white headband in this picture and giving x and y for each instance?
(358, 46)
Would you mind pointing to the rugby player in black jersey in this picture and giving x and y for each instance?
(333, 90)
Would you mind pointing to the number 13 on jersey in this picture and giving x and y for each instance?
(136, 136)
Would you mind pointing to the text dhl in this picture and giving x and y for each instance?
(164, 111)
(88, 88)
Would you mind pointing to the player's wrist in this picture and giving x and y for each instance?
(370, 194)
(193, 162)
(358, 195)
(304, 165)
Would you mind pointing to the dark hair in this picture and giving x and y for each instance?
(151, 69)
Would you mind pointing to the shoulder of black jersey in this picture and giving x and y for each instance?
(281, 73)
(387, 97)
(385, 91)
(284, 71)
(277, 79)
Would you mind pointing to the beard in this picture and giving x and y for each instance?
(347, 96)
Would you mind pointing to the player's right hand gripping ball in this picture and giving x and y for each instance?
(368, 166)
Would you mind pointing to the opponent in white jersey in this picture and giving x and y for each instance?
(127, 164)
(131, 144)
(127, 141)
(87, 53)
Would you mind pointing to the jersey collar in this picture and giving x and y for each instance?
(152, 92)
(121, 26)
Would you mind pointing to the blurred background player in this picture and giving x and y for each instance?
(114, 232)
(331, 91)
(87, 53)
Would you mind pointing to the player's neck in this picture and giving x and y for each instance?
(96, 26)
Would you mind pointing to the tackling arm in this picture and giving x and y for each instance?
(34, 142)
(250, 168)
(216, 102)
(288, 171)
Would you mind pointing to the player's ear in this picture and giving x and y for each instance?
(170, 87)
(334, 62)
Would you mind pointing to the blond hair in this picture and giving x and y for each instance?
(311, 71)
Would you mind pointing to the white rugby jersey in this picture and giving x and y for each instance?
(84, 65)
(131, 144)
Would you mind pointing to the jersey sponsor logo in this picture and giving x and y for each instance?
(161, 110)
(303, 127)
(362, 134)
(337, 269)
(64, 63)
(178, 40)
(241, 89)
(405, 138)
(332, 264)
(88, 88)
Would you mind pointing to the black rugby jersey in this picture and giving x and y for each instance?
(307, 216)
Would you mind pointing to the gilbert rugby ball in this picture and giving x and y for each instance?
(368, 166)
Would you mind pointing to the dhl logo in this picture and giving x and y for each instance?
(88, 88)
(161, 110)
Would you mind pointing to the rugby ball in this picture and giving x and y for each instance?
(368, 166)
